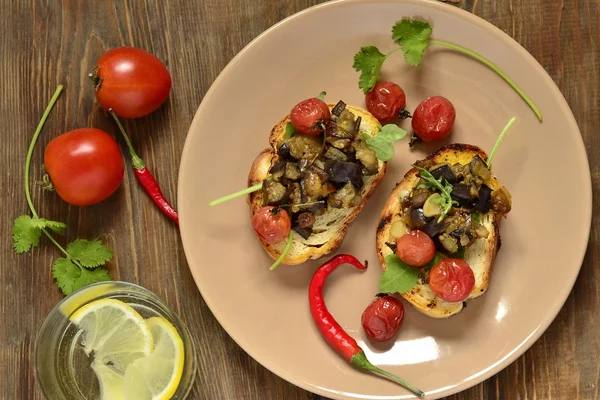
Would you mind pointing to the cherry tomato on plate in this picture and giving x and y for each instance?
(452, 280)
(272, 224)
(415, 248)
(131, 81)
(385, 101)
(85, 166)
(382, 318)
(433, 119)
(308, 116)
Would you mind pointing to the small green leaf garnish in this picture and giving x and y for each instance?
(413, 37)
(285, 252)
(499, 140)
(321, 96)
(90, 254)
(289, 130)
(368, 62)
(383, 143)
(398, 276)
(443, 187)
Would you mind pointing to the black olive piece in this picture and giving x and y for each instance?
(304, 232)
(483, 202)
(343, 171)
(339, 107)
(418, 219)
(280, 165)
(433, 228)
(462, 194)
(284, 152)
(444, 172)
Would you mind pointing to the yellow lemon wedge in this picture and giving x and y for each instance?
(157, 376)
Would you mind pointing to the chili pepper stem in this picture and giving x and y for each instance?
(136, 160)
(360, 360)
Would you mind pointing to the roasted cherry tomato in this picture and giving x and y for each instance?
(385, 101)
(272, 224)
(85, 166)
(452, 280)
(382, 318)
(131, 81)
(309, 115)
(433, 119)
(415, 248)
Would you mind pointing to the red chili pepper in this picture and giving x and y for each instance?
(332, 331)
(145, 178)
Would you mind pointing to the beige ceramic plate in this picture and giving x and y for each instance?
(544, 165)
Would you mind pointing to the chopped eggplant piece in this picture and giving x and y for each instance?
(445, 172)
(417, 219)
(311, 183)
(339, 143)
(419, 197)
(449, 243)
(276, 193)
(279, 166)
(303, 164)
(319, 208)
(295, 196)
(462, 194)
(304, 232)
(483, 202)
(284, 152)
(339, 107)
(334, 154)
(433, 228)
(501, 201)
(366, 156)
(297, 146)
(357, 124)
(340, 171)
(479, 168)
(340, 130)
(292, 172)
(343, 197)
(306, 219)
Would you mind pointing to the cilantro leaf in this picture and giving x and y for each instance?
(89, 253)
(321, 96)
(383, 143)
(70, 277)
(413, 37)
(368, 62)
(289, 130)
(444, 188)
(398, 276)
(26, 231)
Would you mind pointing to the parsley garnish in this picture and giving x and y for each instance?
(383, 143)
(414, 37)
(445, 189)
(78, 268)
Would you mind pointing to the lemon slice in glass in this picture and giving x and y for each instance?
(115, 332)
(157, 376)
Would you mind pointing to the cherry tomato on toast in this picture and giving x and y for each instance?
(310, 115)
(415, 248)
(131, 81)
(85, 166)
(385, 101)
(433, 119)
(452, 280)
(272, 224)
(382, 318)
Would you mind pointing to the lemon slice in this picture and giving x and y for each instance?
(157, 376)
(115, 332)
(111, 383)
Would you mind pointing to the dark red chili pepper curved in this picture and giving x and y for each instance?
(331, 330)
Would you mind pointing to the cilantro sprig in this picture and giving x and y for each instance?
(414, 38)
(78, 267)
(444, 188)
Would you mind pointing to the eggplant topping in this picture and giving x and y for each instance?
(343, 198)
(336, 129)
(339, 107)
(417, 219)
(276, 193)
(462, 194)
(449, 243)
(501, 201)
(343, 172)
(479, 168)
(292, 172)
(434, 228)
(334, 154)
(445, 172)
(483, 202)
(304, 232)
(284, 152)
(419, 197)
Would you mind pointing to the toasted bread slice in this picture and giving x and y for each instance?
(480, 255)
(330, 228)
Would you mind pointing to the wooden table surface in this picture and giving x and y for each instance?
(49, 42)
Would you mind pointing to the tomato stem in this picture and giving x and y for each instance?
(497, 144)
(285, 252)
(136, 161)
(496, 69)
(97, 80)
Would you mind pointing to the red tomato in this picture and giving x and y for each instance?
(134, 82)
(415, 248)
(85, 165)
(385, 101)
(433, 119)
(308, 115)
(452, 280)
(382, 318)
(271, 224)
